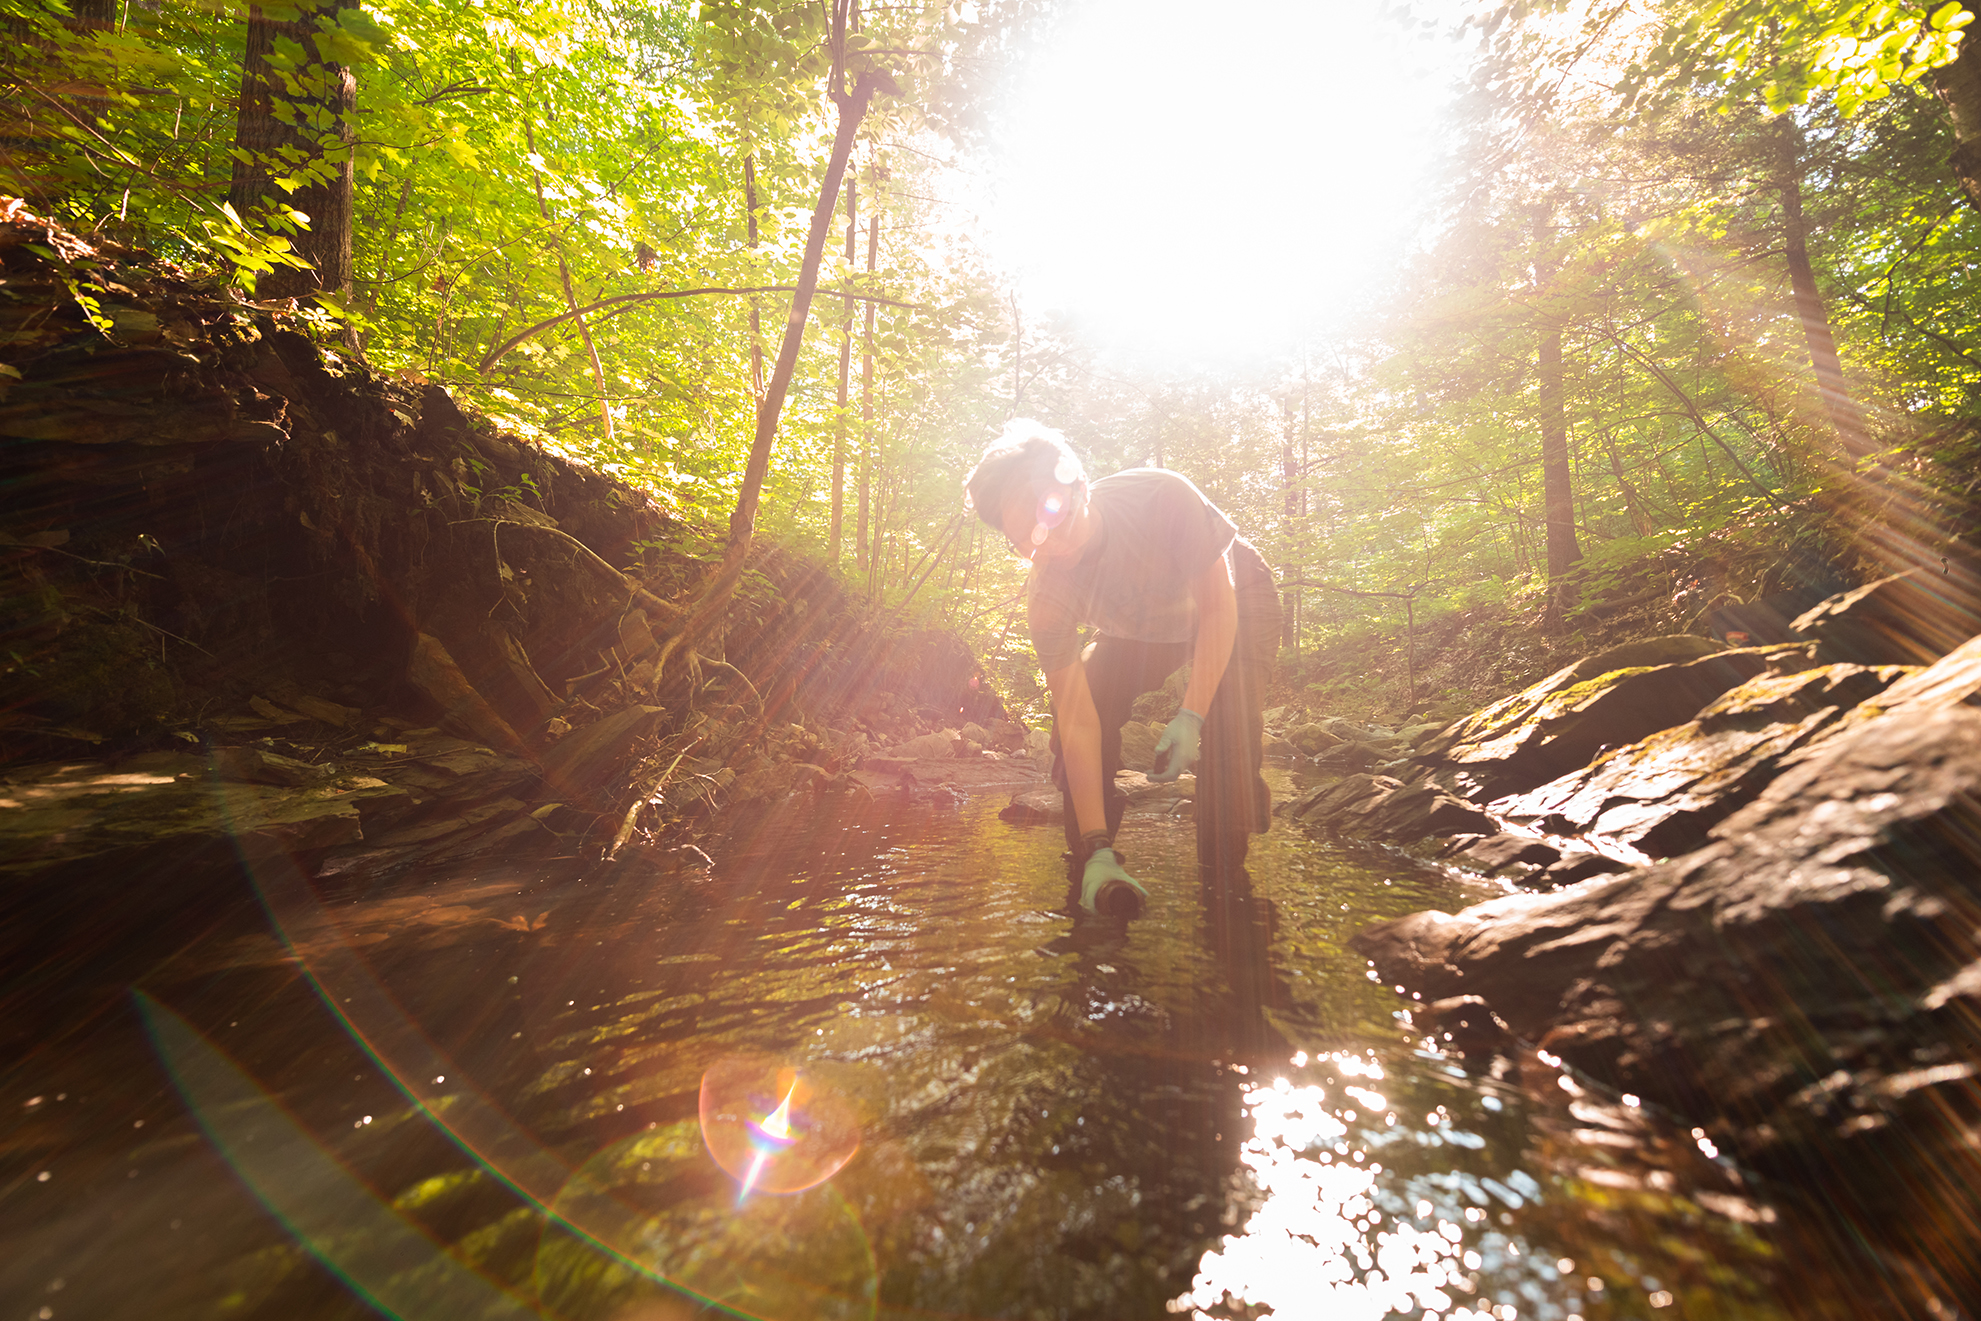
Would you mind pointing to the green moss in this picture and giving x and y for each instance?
(1576, 695)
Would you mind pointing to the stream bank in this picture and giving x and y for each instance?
(258, 596)
(1743, 887)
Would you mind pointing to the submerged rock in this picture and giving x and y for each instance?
(1045, 805)
(1035, 807)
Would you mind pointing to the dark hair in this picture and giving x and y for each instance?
(1028, 459)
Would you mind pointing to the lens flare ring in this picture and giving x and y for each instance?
(773, 1128)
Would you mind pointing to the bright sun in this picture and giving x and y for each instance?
(1214, 182)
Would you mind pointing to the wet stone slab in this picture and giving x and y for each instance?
(1662, 794)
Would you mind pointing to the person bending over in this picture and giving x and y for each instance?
(1165, 579)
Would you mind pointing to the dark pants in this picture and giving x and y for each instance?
(1232, 802)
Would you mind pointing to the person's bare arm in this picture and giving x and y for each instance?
(1080, 743)
(1217, 632)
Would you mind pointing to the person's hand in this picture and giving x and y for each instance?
(1106, 882)
(1176, 750)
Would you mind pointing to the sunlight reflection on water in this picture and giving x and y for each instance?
(1318, 1244)
(1330, 1235)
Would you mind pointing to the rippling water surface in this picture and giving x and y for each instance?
(865, 1066)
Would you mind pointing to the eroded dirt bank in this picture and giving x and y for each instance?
(256, 594)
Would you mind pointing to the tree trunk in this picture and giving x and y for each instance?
(1017, 354)
(571, 296)
(1959, 88)
(1845, 418)
(1557, 494)
(1298, 612)
(86, 16)
(867, 456)
(845, 373)
(1290, 495)
(743, 521)
(321, 130)
(28, 138)
(756, 325)
(1633, 502)
(1289, 478)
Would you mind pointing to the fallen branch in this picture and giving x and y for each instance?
(8, 543)
(645, 796)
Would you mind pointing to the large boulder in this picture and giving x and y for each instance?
(1660, 795)
(1504, 853)
(1383, 807)
(926, 745)
(1606, 701)
(1138, 745)
(1811, 976)
(1910, 618)
(1420, 811)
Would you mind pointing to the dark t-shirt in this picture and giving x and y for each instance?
(1157, 532)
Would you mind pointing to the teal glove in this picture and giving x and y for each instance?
(1105, 882)
(1176, 750)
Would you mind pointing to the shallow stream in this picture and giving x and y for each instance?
(865, 1065)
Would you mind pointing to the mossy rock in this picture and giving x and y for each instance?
(1313, 739)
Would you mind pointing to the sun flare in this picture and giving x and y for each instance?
(1226, 181)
